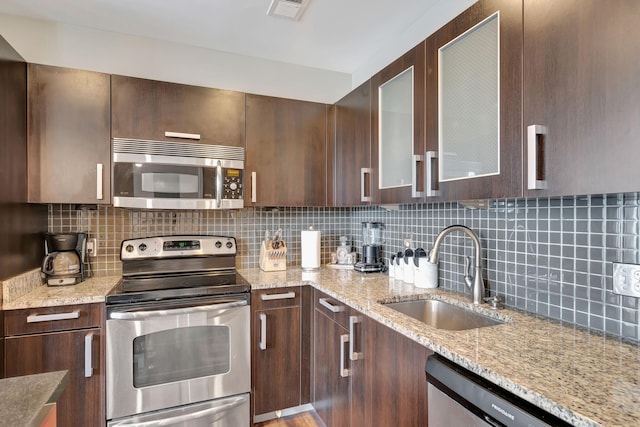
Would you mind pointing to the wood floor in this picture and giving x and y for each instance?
(306, 419)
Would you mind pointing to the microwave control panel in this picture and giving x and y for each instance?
(232, 184)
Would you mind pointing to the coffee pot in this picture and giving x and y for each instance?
(63, 263)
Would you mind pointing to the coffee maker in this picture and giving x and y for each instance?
(373, 238)
(64, 259)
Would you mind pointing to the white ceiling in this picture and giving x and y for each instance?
(338, 36)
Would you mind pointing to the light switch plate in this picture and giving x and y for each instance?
(626, 279)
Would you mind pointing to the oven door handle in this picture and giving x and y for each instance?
(189, 417)
(137, 315)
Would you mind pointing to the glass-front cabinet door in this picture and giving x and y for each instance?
(397, 129)
(473, 98)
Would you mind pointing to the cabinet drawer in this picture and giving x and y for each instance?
(49, 319)
(332, 308)
(275, 298)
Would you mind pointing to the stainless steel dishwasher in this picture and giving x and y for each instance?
(458, 397)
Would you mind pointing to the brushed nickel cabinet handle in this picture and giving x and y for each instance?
(254, 191)
(416, 159)
(431, 178)
(333, 308)
(344, 372)
(535, 157)
(35, 318)
(88, 355)
(271, 297)
(363, 180)
(263, 331)
(99, 179)
(353, 354)
(182, 135)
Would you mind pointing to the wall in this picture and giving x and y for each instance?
(552, 257)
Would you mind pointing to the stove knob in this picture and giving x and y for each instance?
(218, 244)
(129, 248)
(229, 245)
(142, 247)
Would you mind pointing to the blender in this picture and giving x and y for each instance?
(372, 236)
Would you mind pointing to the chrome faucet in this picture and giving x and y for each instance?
(475, 283)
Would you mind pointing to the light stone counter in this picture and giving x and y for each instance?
(91, 290)
(585, 379)
(23, 399)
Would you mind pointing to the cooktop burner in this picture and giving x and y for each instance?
(171, 267)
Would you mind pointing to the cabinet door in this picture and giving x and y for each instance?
(396, 386)
(82, 402)
(398, 129)
(286, 158)
(581, 88)
(473, 98)
(276, 359)
(154, 110)
(68, 136)
(352, 148)
(332, 388)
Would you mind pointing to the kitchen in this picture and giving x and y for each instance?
(552, 256)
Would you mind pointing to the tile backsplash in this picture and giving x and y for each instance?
(552, 257)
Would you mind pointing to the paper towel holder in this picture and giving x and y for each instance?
(310, 249)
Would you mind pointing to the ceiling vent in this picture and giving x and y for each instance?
(288, 9)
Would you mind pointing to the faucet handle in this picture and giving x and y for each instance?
(494, 302)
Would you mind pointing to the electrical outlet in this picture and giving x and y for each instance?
(626, 279)
(92, 247)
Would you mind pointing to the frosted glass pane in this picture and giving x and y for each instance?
(469, 86)
(396, 130)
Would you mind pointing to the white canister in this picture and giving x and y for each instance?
(408, 275)
(426, 274)
(399, 266)
(392, 266)
(310, 248)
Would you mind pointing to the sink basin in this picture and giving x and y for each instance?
(442, 315)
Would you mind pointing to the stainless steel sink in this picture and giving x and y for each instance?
(442, 315)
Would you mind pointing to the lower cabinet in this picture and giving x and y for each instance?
(280, 377)
(364, 373)
(61, 338)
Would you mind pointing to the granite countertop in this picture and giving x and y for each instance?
(29, 291)
(584, 379)
(23, 399)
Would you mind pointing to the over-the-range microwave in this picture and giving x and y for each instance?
(176, 175)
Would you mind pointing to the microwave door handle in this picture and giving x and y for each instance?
(218, 184)
(138, 315)
(237, 401)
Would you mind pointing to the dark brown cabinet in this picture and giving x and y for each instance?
(280, 362)
(338, 381)
(386, 157)
(68, 135)
(36, 344)
(286, 152)
(395, 382)
(351, 154)
(164, 111)
(581, 90)
(506, 179)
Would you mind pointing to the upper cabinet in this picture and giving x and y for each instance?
(473, 104)
(581, 92)
(286, 152)
(352, 148)
(68, 135)
(163, 111)
(397, 129)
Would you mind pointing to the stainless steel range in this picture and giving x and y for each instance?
(178, 335)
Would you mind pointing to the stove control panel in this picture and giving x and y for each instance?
(176, 247)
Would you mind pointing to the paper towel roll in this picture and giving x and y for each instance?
(310, 245)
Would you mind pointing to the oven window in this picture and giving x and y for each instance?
(180, 354)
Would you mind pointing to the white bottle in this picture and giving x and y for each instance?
(408, 266)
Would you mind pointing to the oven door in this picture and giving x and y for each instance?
(163, 355)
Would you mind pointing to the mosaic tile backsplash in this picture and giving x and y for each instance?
(552, 257)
